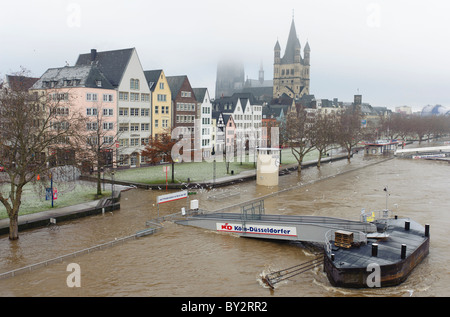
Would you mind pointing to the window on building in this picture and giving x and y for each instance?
(145, 97)
(134, 84)
(134, 127)
(91, 111)
(123, 96)
(91, 97)
(108, 126)
(134, 96)
(108, 112)
(92, 140)
(108, 139)
(123, 112)
(91, 126)
(123, 142)
(134, 142)
(186, 94)
(123, 127)
(134, 112)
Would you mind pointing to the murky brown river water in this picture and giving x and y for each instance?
(187, 261)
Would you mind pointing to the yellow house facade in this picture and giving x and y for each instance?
(161, 97)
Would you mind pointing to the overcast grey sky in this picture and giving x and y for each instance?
(394, 52)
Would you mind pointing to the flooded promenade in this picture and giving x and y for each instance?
(188, 261)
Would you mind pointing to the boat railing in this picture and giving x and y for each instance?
(371, 216)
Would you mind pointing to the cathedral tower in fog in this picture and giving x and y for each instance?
(291, 73)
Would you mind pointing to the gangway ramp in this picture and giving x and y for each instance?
(281, 227)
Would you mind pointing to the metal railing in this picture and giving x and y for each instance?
(60, 259)
(154, 227)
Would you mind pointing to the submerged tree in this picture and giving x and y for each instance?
(324, 133)
(31, 129)
(349, 131)
(298, 135)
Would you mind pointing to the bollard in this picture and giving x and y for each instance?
(375, 249)
(403, 254)
(407, 223)
(332, 257)
(427, 230)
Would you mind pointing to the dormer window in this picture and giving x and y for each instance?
(98, 83)
(134, 84)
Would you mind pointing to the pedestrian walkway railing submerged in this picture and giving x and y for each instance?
(60, 259)
(153, 228)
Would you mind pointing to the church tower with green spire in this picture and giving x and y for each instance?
(291, 72)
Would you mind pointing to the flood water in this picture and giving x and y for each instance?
(188, 261)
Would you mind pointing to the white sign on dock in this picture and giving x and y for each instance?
(171, 197)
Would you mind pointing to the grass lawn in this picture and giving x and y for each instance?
(72, 193)
(69, 193)
(196, 171)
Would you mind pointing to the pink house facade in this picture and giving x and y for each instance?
(230, 134)
(84, 90)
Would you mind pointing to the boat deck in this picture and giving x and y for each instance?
(389, 249)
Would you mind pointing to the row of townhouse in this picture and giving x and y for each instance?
(127, 104)
(239, 123)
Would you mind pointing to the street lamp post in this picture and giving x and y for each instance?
(213, 153)
(112, 189)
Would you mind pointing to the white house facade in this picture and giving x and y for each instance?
(124, 71)
(205, 116)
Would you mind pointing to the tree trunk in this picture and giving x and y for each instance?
(300, 161)
(14, 227)
(99, 183)
(319, 159)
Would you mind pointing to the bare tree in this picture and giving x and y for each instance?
(298, 135)
(30, 125)
(349, 129)
(99, 141)
(323, 133)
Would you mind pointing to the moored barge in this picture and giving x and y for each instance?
(387, 259)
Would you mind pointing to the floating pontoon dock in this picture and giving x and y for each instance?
(353, 250)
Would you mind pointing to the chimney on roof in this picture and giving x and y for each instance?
(93, 54)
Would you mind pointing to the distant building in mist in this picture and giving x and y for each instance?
(261, 88)
(403, 110)
(230, 78)
(290, 78)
